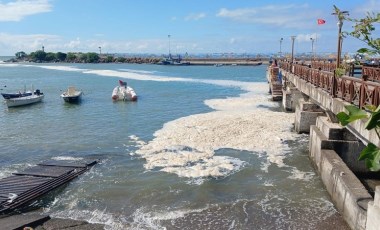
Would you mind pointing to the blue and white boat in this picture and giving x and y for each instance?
(25, 99)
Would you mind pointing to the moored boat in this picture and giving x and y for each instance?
(72, 95)
(16, 95)
(122, 92)
(35, 97)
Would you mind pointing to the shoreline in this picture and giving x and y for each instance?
(159, 61)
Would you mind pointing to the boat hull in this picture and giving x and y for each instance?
(21, 101)
(72, 99)
(121, 93)
(72, 95)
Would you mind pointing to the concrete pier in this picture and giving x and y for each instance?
(334, 150)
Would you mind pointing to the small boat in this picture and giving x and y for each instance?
(72, 95)
(27, 99)
(122, 92)
(16, 95)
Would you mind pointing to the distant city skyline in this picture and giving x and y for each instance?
(193, 27)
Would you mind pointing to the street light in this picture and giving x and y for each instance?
(312, 47)
(281, 39)
(340, 16)
(169, 44)
(100, 50)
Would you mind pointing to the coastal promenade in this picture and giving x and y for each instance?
(316, 95)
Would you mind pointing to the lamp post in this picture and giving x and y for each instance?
(100, 50)
(169, 44)
(293, 38)
(43, 48)
(340, 16)
(312, 48)
(281, 39)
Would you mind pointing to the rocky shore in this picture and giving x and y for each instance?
(148, 60)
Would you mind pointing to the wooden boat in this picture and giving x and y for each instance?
(72, 95)
(122, 92)
(35, 97)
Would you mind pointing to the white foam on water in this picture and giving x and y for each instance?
(8, 170)
(58, 67)
(144, 76)
(66, 158)
(242, 123)
(138, 71)
(143, 219)
(299, 175)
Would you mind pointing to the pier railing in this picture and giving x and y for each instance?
(358, 91)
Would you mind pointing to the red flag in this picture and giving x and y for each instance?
(321, 21)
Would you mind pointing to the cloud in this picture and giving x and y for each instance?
(369, 6)
(26, 43)
(273, 15)
(306, 37)
(195, 17)
(19, 9)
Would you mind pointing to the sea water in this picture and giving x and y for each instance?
(203, 148)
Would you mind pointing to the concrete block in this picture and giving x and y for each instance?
(306, 115)
(345, 189)
(373, 212)
(348, 151)
(334, 131)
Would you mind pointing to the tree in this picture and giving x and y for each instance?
(39, 55)
(363, 30)
(50, 57)
(60, 56)
(92, 57)
(71, 57)
(20, 54)
(121, 59)
(109, 59)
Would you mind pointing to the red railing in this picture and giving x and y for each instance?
(358, 91)
(373, 73)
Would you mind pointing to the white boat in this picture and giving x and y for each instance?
(72, 95)
(123, 92)
(37, 96)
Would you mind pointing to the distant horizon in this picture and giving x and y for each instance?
(224, 26)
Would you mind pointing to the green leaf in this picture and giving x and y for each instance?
(343, 118)
(354, 113)
(362, 50)
(371, 108)
(373, 121)
(371, 155)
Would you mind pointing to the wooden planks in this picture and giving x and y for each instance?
(25, 186)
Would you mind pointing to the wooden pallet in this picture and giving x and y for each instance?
(26, 186)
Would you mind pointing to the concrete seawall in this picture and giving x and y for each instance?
(334, 150)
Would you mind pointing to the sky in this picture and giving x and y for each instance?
(193, 27)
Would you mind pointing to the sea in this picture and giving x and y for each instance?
(203, 147)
